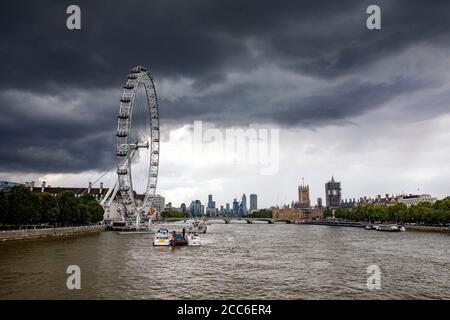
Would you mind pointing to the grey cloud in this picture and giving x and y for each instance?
(202, 39)
(81, 72)
(42, 136)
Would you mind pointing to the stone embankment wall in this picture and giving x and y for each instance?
(427, 228)
(24, 234)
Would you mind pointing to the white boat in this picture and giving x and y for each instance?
(193, 239)
(199, 226)
(162, 238)
(391, 228)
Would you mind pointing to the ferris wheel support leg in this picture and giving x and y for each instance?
(108, 194)
(113, 195)
(109, 197)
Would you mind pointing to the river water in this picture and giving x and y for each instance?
(236, 262)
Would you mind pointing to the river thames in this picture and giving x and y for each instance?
(236, 262)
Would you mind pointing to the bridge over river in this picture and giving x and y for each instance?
(234, 220)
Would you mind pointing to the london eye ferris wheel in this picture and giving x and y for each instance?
(137, 148)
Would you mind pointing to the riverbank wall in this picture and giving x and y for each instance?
(408, 227)
(427, 228)
(28, 234)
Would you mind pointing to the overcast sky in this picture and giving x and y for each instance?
(368, 106)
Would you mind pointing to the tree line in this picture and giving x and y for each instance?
(263, 213)
(21, 207)
(173, 214)
(437, 213)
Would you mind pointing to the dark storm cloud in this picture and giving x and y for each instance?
(202, 39)
(53, 129)
(337, 104)
(49, 135)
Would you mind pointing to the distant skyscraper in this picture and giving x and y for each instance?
(244, 205)
(235, 207)
(196, 208)
(333, 194)
(211, 206)
(319, 202)
(253, 202)
(227, 208)
(210, 201)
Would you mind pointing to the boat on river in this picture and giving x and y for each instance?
(390, 228)
(162, 238)
(199, 226)
(193, 239)
(179, 238)
(186, 237)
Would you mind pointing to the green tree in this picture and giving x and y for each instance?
(95, 210)
(263, 213)
(68, 208)
(446, 216)
(396, 212)
(3, 208)
(49, 208)
(341, 213)
(400, 211)
(381, 213)
(442, 204)
(425, 212)
(23, 207)
(172, 214)
(328, 213)
(412, 214)
(359, 213)
(84, 216)
(86, 198)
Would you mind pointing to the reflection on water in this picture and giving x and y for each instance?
(236, 261)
